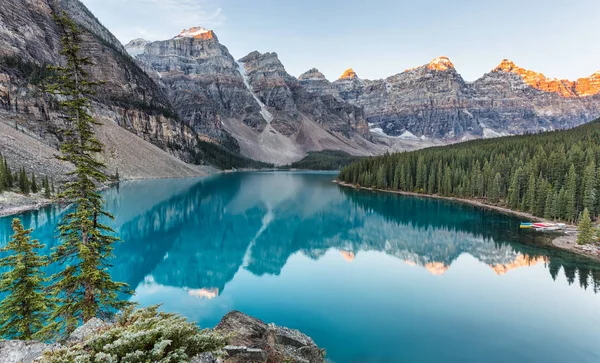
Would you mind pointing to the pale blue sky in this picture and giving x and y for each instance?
(379, 38)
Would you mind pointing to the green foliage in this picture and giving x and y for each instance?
(223, 158)
(34, 186)
(585, 229)
(24, 311)
(84, 288)
(144, 335)
(6, 177)
(24, 184)
(324, 160)
(46, 186)
(553, 175)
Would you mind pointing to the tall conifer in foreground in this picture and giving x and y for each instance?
(24, 311)
(84, 288)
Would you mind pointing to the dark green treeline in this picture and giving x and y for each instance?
(553, 175)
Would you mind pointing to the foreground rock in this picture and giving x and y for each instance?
(18, 351)
(252, 341)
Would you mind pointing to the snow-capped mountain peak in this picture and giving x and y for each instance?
(196, 32)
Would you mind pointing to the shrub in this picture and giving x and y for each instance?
(144, 335)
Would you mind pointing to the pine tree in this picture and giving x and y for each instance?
(24, 186)
(24, 311)
(8, 175)
(589, 187)
(496, 191)
(84, 288)
(117, 178)
(46, 184)
(571, 195)
(585, 230)
(549, 205)
(34, 186)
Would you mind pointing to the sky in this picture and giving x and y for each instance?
(379, 38)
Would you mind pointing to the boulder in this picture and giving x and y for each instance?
(235, 354)
(87, 329)
(252, 340)
(19, 351)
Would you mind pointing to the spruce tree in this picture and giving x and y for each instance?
(589, 187)
(571, 195)
(8, 174)
(47, 193)
(24, 186)
(585, 230)
(84, 288)
(34, 186)
(24, 310)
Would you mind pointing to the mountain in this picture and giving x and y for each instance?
(142, 133)
(434, 101)
(252, 105)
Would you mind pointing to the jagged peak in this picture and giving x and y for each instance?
(440, 64)
(349, 74)
(258, 55)
(312, 73)
(196, 33)
(562, 87)
(506, 66)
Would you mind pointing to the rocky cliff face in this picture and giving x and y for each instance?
(202, 80)
(291, 100)
(433, 101)
(269, 113)
(128, 97)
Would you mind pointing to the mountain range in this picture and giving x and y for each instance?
(167, 105)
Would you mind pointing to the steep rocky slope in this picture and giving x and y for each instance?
(269, 113)
(433, 101)
(29, 41)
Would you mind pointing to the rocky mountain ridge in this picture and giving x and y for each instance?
(251, 105)
(128, 98)
(434, 101)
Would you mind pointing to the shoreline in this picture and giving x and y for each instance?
(37, 203)
(565, 241)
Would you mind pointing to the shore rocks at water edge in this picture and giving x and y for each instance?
(251, 341)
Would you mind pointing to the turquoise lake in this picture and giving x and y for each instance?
(371, 277)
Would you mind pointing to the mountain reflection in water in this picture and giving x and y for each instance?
(290, 247)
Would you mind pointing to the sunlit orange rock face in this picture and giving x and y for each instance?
(437, 268)
(348, 255)
(582, 87)
(196, 33)
(349, 74)
(520, 261)
(588, 86)
(440, 64)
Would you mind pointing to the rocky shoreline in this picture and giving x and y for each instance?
(250, 341)
(566, 241)
(14, 203)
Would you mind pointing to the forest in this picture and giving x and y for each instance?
(554, 175)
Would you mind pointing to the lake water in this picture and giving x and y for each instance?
(370, 277)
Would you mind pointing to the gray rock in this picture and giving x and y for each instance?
(18, 351)
(252, 340)
(236, 354)
(87, 329)
(206, 358)
(286, 336)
